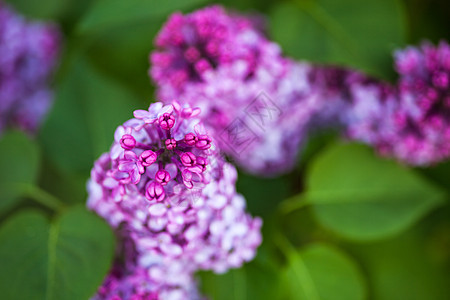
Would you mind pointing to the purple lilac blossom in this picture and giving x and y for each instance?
(423, 116)
(353, 102)
(410, 121)
(136, 284)
(28, 55)
(163, 185)
(256, 102)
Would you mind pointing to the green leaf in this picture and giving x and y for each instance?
(360, 34)
(362, 197)
(413, 265)
(106, 15)
(64, 259)
(256, 280)
(128, 60)
(19, 165)
(262, 194)
(321, 272)
(43, 9)
(439, 174)
(88, 109)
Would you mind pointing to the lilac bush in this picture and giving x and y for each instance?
(28, 55)
(164, 186)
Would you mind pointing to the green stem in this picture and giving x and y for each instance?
(292, 204)
(42, 197)
(299, 267)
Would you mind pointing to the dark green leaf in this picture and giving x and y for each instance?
(88, 109)
(321, 272)
(256, 280)
(413, 265)
(128, 60)
(64, 259)
(363, 197)
(360, 34)
(107, 14)
(43, 9)
(19, 165)
(262, 194)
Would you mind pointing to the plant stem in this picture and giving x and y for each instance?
(292, 204)
(42, 197)
(298, 267)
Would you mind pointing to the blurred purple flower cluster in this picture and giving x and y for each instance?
(255, 101)
(170, 195)
(423, 117)
(261, 106)
(28, 55)
(409, 121)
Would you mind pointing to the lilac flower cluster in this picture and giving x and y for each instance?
(28, 55)
(136, 283)
(353, 102)
(410, 121)
(164, 186)
(423, 116)
(255, 101)
(262, 106)
(195, 44)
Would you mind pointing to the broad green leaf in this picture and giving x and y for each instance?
(108, 14)
(128, 60)
(88, 109)
(67, 186)
(19, 166)
(413, 265)
(43, 9)
(362, 197)
(440, 175)
(255, 280)
(64, 259)
(262, 194)
(321, 272)
(360, 34)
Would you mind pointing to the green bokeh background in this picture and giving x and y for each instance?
(344, 224)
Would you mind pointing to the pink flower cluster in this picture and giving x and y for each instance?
(410, 121)
(262, 106)
(164, 186)
(195, 44)
(28, 55)
(256, 102)
(353, 102)
(423, 116)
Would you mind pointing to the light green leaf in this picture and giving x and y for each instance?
(64, 259)
(360, 34)
(19, 165)
(107, 14)
(88, 109)
(321, 272)
(362, 197)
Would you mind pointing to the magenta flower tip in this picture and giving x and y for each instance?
(166, 121)
(188, 159)
(127, 142)
(154, 191)
(148, 157)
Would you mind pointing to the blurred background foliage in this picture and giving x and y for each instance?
(344, 224)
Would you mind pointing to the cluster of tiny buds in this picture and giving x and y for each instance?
(166, 161)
